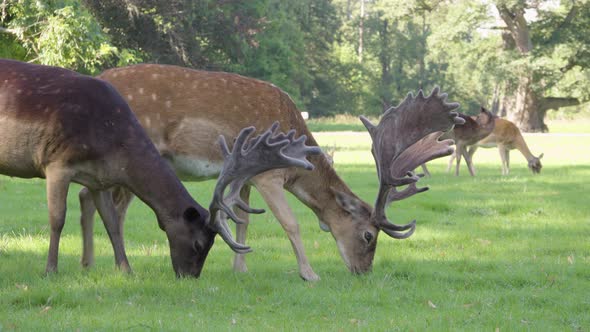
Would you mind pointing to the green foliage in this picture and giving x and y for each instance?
(62, 33)
(310, 48)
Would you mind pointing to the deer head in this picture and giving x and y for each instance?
(535, 164)
(406, 137)
(485, 118)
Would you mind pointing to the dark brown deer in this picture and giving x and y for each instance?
(66, 127)
(183, 109)
(468, 134)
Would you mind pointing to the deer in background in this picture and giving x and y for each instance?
(66, 127)
(468, 134)
(183, 109)
(506, 136)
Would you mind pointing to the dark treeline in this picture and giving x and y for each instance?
(519, 58)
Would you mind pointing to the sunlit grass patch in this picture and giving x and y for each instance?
(508, 252)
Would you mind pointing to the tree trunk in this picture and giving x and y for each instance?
(385, 58)
(526, 108)
(361, 31)
(422, 53)
(525, 113)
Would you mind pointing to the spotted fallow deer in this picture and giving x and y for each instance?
(66, 127)
(469, 133)
(506, 136)
(182, 111)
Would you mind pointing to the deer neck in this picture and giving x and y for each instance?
(155, 183)
(521, 146)
(315, 188)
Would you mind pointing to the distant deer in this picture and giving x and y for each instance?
(506, 136)
(182, 111)
(468, 134)
(66, 127)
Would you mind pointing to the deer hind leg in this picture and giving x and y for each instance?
(507, 161)
(471, 151)
(450, 165)
(241, 229)
(58, 182)
(425, 170)
(121, 196)
(87, 224)
(271, 189)
(504, 156)
(103, 200)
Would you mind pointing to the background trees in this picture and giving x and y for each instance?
(518, 57)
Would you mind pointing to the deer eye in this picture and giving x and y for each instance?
(368, 236)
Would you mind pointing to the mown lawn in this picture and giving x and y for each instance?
(490, 252)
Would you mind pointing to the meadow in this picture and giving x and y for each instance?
(491, 252)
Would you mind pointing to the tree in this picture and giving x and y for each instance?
(60, 33)
(529, 102)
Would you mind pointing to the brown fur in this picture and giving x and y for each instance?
(67, 127)
(506, 136)
(185, 110)
(468, 134)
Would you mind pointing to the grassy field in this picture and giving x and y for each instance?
(490, 253)
(344, 122)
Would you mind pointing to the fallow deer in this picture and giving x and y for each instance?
(66, 127)
(183, 109)
(506, 136)
(468, 134)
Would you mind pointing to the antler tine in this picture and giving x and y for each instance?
(406, 137)
(248, 158)
(411, 190)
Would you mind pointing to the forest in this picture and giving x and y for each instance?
(520, 58)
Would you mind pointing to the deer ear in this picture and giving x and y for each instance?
(540, 156)
(191, 215)
(348, 202)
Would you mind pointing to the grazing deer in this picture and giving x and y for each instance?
(468, 134)
(506, 136)
(66, 127)
(183, 109)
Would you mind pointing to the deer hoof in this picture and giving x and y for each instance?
(309, 276)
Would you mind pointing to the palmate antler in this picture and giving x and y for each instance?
(406, 137)
(247, 159)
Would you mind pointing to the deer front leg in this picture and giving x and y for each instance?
(271, 189)
(103, 200)
(458, 153)
(241, 230)
(58, 182)
(468, 161)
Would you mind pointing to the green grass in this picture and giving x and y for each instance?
(340, 122)
(507, 252)
(580, 125)
(346, 122)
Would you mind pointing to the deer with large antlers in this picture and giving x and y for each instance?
(469, 133)
(506, 136)
(66, 127)
(183, 109)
